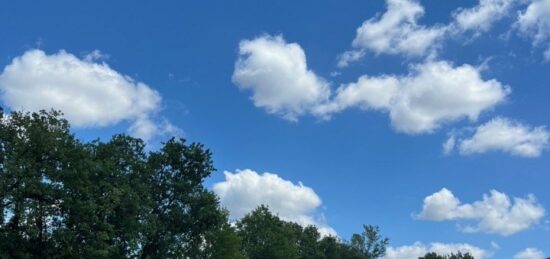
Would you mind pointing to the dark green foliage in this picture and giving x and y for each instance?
(265, 235)
(459, 255)
(61, 198)
(64, 198)
(182, 211)
(225, 244)
(432, 255)
(308, 243)
(35, 151)
(369, 243)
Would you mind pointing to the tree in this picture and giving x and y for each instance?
(432, 255)
(63, 198)
(459, 255)
(181, 211)
(369, 243)
(308, 243)
(225, 243)
(266, 236)
(35, 151)
(104, 201)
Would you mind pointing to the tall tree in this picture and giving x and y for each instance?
(35, 151)
(224, 243)
(369, 243)
(459, 255)
(62, 198)
(181, 209)
(266, 236)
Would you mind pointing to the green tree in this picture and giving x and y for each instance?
(35, 151)
(432, 255)
(266, 236)
(224, 243)
(181, 210)
(369, 243)
(308, 243)
(459, 255)
(331, 247)
(104, 201)
(61, 198)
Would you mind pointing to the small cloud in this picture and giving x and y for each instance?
(335, 73)
(276, 73)
(244, 190)
(348, 57)
(504, 135)
(495, 213)
(530, 253)
(96, 56)
(449, 145)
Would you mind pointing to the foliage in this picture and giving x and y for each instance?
(369, 243)
(62, 198)
(459, 255)
(265, 235)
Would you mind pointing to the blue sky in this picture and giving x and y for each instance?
(266, 86)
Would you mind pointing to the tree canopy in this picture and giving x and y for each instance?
(64, 198)
(458, 255)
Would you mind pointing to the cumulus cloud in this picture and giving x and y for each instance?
(534, 22)
(433, 93)
(495, 213)
(418, 250)
(530, 253)
(505, 135)
(396, 32)
(90, 94)
(244, 190)
(277, 74)
(481, 17)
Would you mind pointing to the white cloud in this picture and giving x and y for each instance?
(433, 93)
(418, 250)
(90, 94)
(277, 74)
(547, 54)
(530, 253)
(244, 190)
(449, 145)
(535, 20)
(95, 55)
(396, 32)
(481, 17)
(495, 213)
(145, 128)
(505, 135)
(350, 56)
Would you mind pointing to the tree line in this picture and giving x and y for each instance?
(64, 198)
